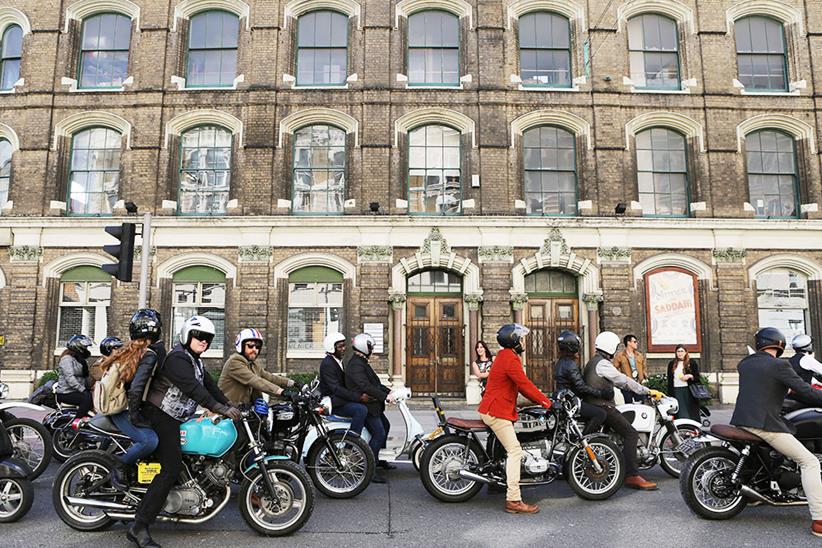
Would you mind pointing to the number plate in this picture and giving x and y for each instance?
(147, 470)
(689, 446)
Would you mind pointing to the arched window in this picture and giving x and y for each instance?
(434, 183)
(199, 291)
(549, 155)
(653, 45)
(435, 281)
(85, 295)
(782, 301)
(772, 175)
(319, 169)
(761, 54)
(5, 170)
(104, 51)
(545, 50)
(94, 174)
(11, 54)
(212, 49)
(662, 172)
(205, 171)
(322, 48)
(315, 303)
(433, 49)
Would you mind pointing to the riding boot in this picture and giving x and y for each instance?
(120, 477)
(385, 465)
(138, 534)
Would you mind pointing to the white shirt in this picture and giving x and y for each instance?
(679, 370)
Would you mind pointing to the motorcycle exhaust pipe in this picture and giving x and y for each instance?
(750, 493)
(465, 474)
(93, 503)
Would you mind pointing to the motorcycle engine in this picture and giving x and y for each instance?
(536, 457)
(216, 475)
(185, 500)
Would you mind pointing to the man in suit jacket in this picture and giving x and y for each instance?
(344, 402)
(764, 381)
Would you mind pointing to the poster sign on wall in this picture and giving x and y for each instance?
(672, 303)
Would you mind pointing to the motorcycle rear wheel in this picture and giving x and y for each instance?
(440, 465)
(294, 504)
(584, 480)
(705, 484)
(16, 497)
(61, 443)
(669, 459)
(356, 473)
(77, 472)
(32, 444)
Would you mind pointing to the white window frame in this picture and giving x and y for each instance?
(311, 353)
(805, 309)
(197, 304)
(100, 328)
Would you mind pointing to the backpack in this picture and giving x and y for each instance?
(109, 394)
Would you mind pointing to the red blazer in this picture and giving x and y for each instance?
(507, 379)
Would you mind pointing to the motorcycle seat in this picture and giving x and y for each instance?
(729, 432)
(466, 424)
(103, 422)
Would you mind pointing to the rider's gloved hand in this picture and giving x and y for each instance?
(289, 394)
(656, 394)
(298, 386)
(231, 412)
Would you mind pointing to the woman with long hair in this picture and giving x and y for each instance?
(568, 376)
(682, 372)
(73, 381)
(481, 367)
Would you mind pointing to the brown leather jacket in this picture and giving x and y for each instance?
(622, 364)
(243, 381)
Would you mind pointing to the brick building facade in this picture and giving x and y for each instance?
(310, 163)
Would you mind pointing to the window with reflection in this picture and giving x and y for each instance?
(199, 291)
(761, 54)
(85, 295)
(555, 282)
(545, 50)
(5, 170)
(435, 281)
(205, 171)
(662, 172)
(104, 51)
(549, 155)
(315, 301)
(322, 48)
(653, 45)
(434, 184)
(94, 174)
(782, 301)
(11, 55)
(772, 175)
(433, 49)
(319, 169)
(212, 49)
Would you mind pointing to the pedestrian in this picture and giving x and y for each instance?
(481, 367)
(631, 363)
(73, 381)
(683, 371)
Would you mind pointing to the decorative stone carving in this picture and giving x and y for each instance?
(496, 254)
(435, 236)
(397, 300)
(614, 254)
(25, 253)
(375, 254)
(730, 255)
(518, 300)
(473, 300)
(592, 300)
(254, 253)
(138, 251)
(554, 237)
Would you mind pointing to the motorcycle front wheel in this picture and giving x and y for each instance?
(62, 443)
(285, 512)
(75, 479)
(705, 484)
(670, 459)
(441, 463)
(585, 480)
(355, 472)
(32, 444)
(16, 497)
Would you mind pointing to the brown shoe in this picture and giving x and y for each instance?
(519, 507)
(816, 527)
(638, 482)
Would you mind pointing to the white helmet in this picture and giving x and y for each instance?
(247, 334)
(198, 325)
(607, 341)
(364, 343)
(330, 340)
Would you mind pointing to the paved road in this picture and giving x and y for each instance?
(401, 513)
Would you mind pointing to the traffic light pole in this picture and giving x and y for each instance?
(144, 258)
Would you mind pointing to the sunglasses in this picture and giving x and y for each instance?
(253, 345)
(201, 336)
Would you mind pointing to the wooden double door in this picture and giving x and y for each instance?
(547, 318)
(435, 349)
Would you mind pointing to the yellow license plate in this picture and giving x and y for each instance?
(147, 470)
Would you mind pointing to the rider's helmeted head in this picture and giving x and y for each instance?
(770, 338)
(802, 344)
(80, 345)
(363, 344)
(607, 343)
(334, 344)
(569, 342)
(510, 336)
(109, 345)
(248, 343)
(145, 324)
(200, 328)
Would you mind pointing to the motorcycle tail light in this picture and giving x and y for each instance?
(76, 424)
(322, 410)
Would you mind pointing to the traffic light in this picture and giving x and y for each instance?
(123, 252)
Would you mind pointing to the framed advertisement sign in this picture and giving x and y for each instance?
(672, 305)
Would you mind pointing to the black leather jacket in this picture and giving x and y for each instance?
(568, 376)
(137, 388)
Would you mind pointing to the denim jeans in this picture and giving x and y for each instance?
(145, 439)
(356, 411)
(378, 426)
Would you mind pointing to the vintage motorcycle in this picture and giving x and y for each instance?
(455, 465)
(275, 497)
(30, 439)
(16, 491)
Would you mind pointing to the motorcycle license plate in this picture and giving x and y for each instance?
(147, 470)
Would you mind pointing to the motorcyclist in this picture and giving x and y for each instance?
(107, 346)
(73, 382)
(601, 374)
(498, 408)
(178, 386)
(344, 402)
(807, 369)
(568, 376)
(242, 380)
(764, 381)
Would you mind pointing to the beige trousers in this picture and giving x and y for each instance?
(504, 431)
(794, 450)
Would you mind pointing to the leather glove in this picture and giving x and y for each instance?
(289, 394)
(656, 394)
(231, 412)
(298, 386)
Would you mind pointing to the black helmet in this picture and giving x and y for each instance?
(510, 336)
(80, 344)
(145, 324)
(770, 337)
(569, 341)
(109, 345)
(803, 343)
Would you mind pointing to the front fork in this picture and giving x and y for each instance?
(322, 432)
(592, 456)
(259, 458)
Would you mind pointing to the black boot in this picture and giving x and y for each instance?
(385, 465)
(139, 535)
(120, 477)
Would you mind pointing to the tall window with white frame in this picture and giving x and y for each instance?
(322, 49)
(662, 172)
(104, 51)
(94, 173)
(5, 170)
(782, 301)
(11, 55)
(653, 46)
(772, 174)
(205, 171)
(434, 181)
(545, 50)
(85, 295)
(315, 301)
(212, 49)
(319, 170)
(433, 49)
(199, 291)
(761, 54)
(549, 157)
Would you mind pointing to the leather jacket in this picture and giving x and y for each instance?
(137, 388)
(568, 375)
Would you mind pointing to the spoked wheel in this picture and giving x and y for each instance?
(62, 442)
(670, 459)
(582, 475)
(80, 477)
(354, 474)
(441, 463)
(706, 486)
(289, 508)
(16, 497)
(32, 444)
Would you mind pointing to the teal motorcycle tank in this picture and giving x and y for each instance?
(206, 438)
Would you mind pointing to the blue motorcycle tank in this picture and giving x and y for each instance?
(206, 438)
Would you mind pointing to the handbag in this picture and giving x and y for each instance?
(699, 391)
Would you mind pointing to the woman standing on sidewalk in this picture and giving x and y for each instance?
(481, 368)
(682, 372)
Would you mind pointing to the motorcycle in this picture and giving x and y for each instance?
(718, 482)
(30, 439)
(455, 465)
(275, 496)
(16, 491)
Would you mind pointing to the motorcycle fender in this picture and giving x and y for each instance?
(677, 422)
(269, 458)
(311, 438)
(22, 405)
(331, 430)
(9, 469)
